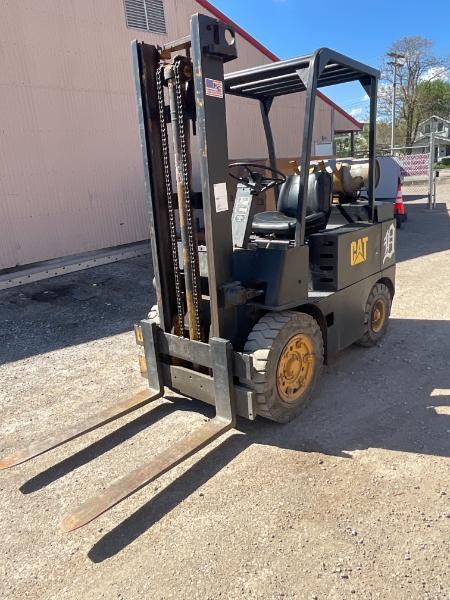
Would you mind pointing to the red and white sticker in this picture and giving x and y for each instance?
(213, 87)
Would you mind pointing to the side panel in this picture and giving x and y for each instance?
(281, 272)
(346, 308)
(358, 254)
(343, 256)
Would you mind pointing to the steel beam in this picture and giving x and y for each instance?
(145, 62)
(210, 49)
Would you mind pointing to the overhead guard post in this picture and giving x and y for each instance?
(309, 77)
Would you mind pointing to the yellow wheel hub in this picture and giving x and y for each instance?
(295, 368)
(378, 315)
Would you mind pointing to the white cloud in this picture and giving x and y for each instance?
(356, 112)
(365, 98)
(435, 73)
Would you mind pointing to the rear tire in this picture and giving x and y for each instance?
(287, 351)
(376, 315)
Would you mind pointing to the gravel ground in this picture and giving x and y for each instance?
(352, 500)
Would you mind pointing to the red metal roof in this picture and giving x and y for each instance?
(220, 15)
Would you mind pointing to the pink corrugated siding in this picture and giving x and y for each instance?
(70, 164)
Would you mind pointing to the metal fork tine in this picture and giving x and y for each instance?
(134, 481)
(93, 422)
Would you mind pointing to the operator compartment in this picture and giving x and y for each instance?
(283, 221)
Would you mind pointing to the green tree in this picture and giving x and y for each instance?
(434, 98)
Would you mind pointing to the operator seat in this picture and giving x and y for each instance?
(283, 221)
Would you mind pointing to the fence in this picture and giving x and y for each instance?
(441, 186)
(415, 169)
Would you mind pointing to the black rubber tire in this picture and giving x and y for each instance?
(153, 314)
(265, 343)
(370, 338)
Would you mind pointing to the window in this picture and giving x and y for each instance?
(147, 15)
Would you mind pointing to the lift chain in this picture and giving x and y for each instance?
(171, 210)
(193, 255)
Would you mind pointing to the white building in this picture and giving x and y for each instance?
(441, 127)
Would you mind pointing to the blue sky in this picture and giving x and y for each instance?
(361, 29)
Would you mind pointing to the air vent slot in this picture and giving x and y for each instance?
(147, 15)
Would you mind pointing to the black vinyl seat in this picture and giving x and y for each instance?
(283, 221)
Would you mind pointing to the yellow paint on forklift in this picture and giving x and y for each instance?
(358, 251)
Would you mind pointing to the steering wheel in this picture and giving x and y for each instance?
(256, 180)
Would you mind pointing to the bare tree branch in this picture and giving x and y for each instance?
(419, 67)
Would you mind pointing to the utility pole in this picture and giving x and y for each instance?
(430, 169)
(395, 63)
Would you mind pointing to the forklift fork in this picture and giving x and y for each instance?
(222, 367)
(221, 358)
(146, 473)
(93, 422)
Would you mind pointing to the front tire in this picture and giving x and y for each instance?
(287, 351)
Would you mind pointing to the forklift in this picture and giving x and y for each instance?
(249, 304)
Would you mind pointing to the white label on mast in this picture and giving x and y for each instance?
(221, 196)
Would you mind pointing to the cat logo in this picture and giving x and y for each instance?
(358, 251)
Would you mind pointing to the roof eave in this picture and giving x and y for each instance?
(247, 36)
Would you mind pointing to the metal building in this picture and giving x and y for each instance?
(71, 178)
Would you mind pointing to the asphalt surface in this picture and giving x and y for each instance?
(352, 500)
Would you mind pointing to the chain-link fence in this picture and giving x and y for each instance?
(414, 162)
(420, 175)
(441, 186)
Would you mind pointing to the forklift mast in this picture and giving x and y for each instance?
(190, 305)
(195, 89)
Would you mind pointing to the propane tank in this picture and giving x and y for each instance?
(350, 175)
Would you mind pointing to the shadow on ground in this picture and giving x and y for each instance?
(384, 402)
(395, 397)
(413, 197)
(426, 231)
(75, 308)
